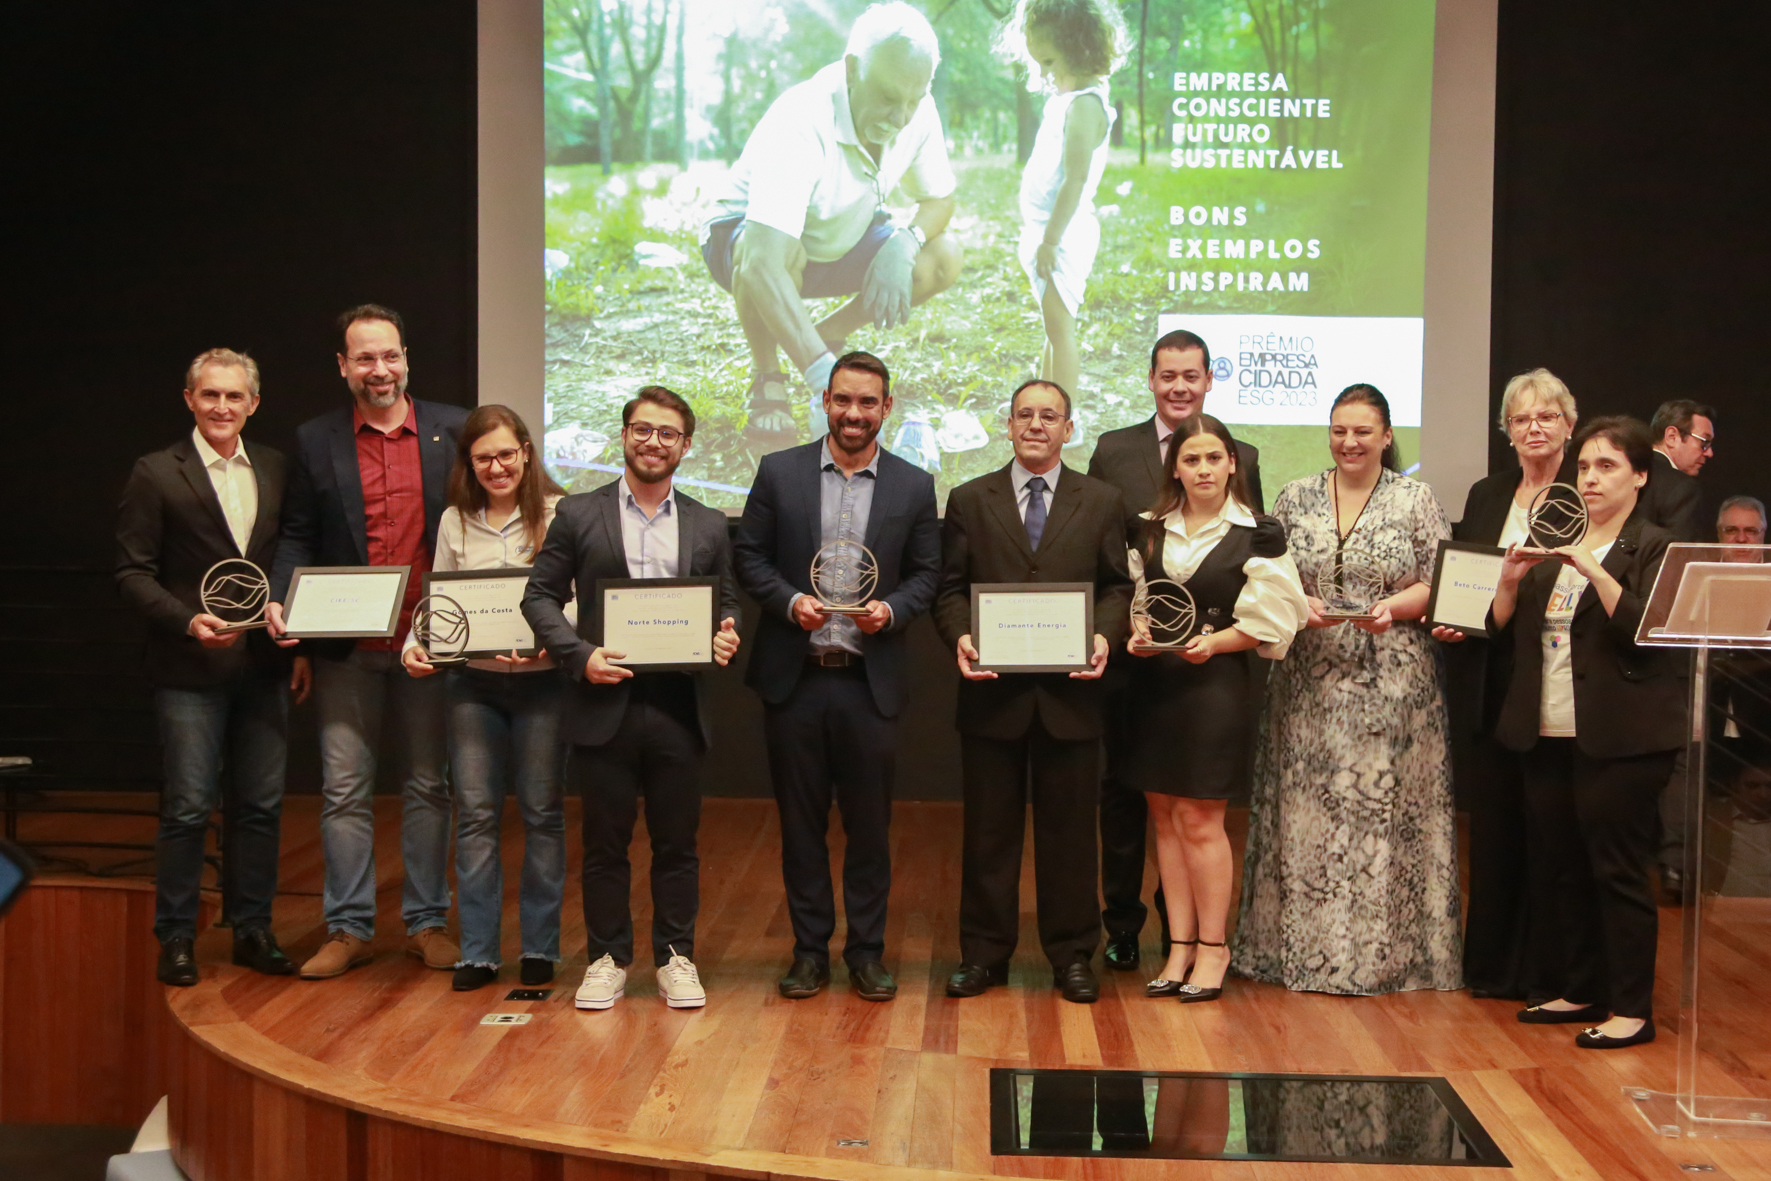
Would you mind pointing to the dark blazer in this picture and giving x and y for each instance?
(1673, 500)
(984, 540)
(170, 530)
(780, 532)
(1628, 700)
(324, 522)
(1490, 499)
(1127, 459)
(584, 544)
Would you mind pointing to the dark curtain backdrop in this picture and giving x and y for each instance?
(179, 175)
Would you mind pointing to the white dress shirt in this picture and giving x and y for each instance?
(1271, 607)
(1021, 475)
(235, 486)
(467, 541)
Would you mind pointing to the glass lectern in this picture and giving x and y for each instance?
(1716, 601)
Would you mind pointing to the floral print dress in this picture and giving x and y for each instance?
(1349, 881)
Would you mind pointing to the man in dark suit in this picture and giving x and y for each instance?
(1684, 439)
(635, 733)
(368, 488)
(221, 697)
(833, 685)
(1130, 459)
(1033, 521)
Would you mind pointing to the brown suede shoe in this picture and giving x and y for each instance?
(341, 952)
(435, 948)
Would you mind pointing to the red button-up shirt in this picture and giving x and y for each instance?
(393, 508)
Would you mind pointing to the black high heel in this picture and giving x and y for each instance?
(1192, 993)
(1160, 987)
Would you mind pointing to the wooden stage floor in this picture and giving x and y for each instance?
(756, 1085)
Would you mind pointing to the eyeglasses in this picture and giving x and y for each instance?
(641, 431)
(1706, 444)
(1742, 533)
(390, 359)
(1026, 417)
(1543, 418)
(505, 459)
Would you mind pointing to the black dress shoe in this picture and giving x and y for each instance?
(1585, 1015)
(872, 982)
(257, 949)
(1122, 953)
(178, 964)
(535, 971)
(1160, 987)
(1078, 984)
(471, 976)
(805, 979)
(974, 979)
(1672, 886)
(1592, 1039)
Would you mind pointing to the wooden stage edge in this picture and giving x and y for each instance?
(386, 1074)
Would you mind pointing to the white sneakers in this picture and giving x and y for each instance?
(605, 982)
(680, 984)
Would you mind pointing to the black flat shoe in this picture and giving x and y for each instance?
(178, 963)
(471, 976)
(872, 982)
(1078, 984)
(257, 949)
(1586, 1014)
(1122, 953)
(806, 978)
(535, 971)
(1592, 1039)
(974, 979)
(1160, 987)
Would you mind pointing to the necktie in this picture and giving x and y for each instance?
(1035, 510)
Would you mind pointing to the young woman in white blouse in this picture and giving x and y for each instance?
(1190, 707)
(504, 713)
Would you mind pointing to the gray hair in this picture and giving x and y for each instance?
(893, 21)
(1544, 386)
(1752, 502)
(228, 357)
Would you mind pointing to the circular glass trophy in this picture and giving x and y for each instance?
(236, 592)
(1350, 584)
(844, 576)
(440, 625)
(1557, 517)
(1163, 615)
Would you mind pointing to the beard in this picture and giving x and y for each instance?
(841, 444)
(378, 400)
(645, 475)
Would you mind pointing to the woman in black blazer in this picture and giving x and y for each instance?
(1538, 415)
(1596, 720)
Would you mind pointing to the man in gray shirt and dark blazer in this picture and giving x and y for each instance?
(635, 733)
(834, 685)
(1130, 459)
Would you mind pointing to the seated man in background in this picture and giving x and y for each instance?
(222, 699)
(801, 216)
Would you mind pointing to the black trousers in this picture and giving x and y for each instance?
(1062, 779)
(656, 754)
(1123, 818)
(1496, 959)
(828, 741)
(1590, 831)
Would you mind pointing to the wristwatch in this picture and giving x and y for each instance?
(922, 239)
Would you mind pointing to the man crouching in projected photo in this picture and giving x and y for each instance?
(801, 214)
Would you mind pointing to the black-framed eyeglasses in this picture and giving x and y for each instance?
(505, 458)
(641, 431)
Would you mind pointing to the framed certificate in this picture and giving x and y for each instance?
(1465, 576)
(657, 624)
(345, 602)
(492, 600)
(1033, 627)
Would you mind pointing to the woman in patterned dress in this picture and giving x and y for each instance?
(1350, 876)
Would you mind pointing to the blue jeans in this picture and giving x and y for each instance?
(240, 726)
(504, 738)
(350, 694)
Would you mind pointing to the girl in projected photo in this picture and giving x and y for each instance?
(1072, 47)
(1190, 720)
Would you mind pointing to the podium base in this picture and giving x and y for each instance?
(1719, 1117)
